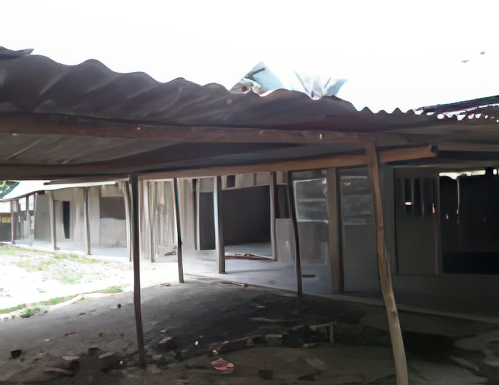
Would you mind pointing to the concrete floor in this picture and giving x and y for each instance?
(268, 273)
(208, 312)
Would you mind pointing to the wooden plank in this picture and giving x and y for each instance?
(273, 209)
(335, 161)
(53, 222)
(218, 218)
(385, 272)
(335, 246)
(13, 222)
(54, 124)
(293, 165)
(179, 233)
(136, 270)
(87, 221)
(292, 214)
(405, 154)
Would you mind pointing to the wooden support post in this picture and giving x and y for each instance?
(218, 214)
(273, 201)
(135, 238)
(179, 232)
(12, 222)
(198, 214)
(384, 271)
(87, 220)
(335, 229)
(292, 214)
(128, 212)
(53, 223)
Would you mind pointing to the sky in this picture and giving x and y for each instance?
(393, 54)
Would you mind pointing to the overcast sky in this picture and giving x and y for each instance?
(394, 54)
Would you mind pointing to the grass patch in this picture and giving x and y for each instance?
(109, 290)
(16, 250)
(65, 268)
(30, 312)
(11, 309)
(56, 300)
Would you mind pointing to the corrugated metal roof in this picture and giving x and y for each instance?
(65, 121)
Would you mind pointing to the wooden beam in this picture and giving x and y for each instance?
(294, 165)
(53, 222)
(273, 212)
(179, 233)
(54, 124)
(136, 270)
(292, 214)
(385, 273)
(405, 154)
(335, 246)
(218, 217)
(87, 220)
(13, 222)
(333, 161)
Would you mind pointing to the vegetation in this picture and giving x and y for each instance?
(56, 300)
(30, 312)
(6, 186)
(64, 268)
(11, 309)
(109, 290)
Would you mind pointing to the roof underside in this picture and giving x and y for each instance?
(61, 121)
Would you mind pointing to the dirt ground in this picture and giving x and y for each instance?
(93, 341)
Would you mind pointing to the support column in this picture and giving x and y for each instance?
(198, 214)
(218, 216)
(151, 200)
(136, 269)
(28, 221)
(292, 214)
(126, 199)
(273, 200)
(87, 221)
(179, 232)
(13, 222)
(384, 271)
(35, 199)
(53, 220)
(335, 229)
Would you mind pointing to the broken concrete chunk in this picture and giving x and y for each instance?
(168, 343)
(273, 339)
(266, 374)
(16, 353)
(93, 351)
(108, 362)
(233, 346)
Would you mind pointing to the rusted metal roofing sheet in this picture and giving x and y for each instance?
(67, 121)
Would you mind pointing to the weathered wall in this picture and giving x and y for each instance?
(157, 219)
(42, 218)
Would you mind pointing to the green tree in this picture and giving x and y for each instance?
(6, 186)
